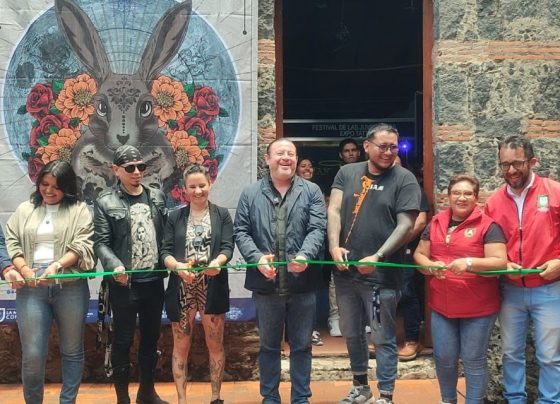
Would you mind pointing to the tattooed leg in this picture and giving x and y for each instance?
(214, 335)
(181, 347)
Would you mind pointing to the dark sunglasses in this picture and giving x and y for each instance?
(198, 240)
(130, 168)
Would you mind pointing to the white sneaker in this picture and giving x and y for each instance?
(334, 328)
(383, 401)
(359, 394)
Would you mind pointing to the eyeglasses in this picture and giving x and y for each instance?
(393, 148)
(517, 164)
(198, 240)
(132, 167)
(464, 194)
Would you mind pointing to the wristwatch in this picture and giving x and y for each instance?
(380, 256)
(469, 264)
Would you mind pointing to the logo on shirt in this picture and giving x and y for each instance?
(542, 203)
(376, 187)
(469, 232)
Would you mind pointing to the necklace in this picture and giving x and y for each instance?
(199, 217)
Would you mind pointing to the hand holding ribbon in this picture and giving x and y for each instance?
(266, 269)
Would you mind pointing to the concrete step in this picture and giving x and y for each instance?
(337, 367)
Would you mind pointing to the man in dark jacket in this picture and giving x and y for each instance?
(282, 218)
(129, 222)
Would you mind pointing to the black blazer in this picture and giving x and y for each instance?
(217, 300)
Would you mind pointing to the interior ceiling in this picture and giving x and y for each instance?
(351, 59)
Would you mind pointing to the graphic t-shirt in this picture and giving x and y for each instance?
(395, 191)
(144, 254)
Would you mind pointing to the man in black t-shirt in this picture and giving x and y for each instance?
(372, 209)
(129, 222)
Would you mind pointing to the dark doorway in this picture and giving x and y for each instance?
(348, 64)
(344, 65)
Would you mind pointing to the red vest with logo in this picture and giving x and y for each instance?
(537, 238)
(466, 295)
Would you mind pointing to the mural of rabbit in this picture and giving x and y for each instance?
(124, 107)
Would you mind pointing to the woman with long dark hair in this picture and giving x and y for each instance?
(52, 233)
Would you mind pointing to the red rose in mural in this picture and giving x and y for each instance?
(197, 127)
(34, 167)
(59, 121)
(39, 100)
(179, 194)
(212, 166)
(211, 136)
(206, 103)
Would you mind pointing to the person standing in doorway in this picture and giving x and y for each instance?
(410, 304)
(348, 152)
(306, 170)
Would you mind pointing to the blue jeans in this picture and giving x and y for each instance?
(409, 305)
(355, 305)
(465, 338)
(295, 313)
(67, 305)
(542, 306)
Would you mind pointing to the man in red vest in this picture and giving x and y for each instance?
(527, 208)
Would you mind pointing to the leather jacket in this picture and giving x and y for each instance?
(113, 244)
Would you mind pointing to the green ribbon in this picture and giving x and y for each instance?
(521, 271)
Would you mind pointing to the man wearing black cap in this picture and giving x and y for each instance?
(129, 222)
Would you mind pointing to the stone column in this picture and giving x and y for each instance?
(266, 81)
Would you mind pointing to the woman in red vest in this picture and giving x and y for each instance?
(464, 304)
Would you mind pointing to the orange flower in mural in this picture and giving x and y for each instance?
(60, 146)
(75, 99)
(172, 102)
(186, 147)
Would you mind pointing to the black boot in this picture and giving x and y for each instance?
(121, 376)
(146, 391)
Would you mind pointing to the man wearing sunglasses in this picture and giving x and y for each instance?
(372, 209)
(129, 222)
(527, 208)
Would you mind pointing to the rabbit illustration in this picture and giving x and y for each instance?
(124, 107)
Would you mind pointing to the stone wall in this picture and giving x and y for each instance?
(240, 343)
(496, 72)
(266, 85)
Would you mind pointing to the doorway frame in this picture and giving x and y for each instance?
(427, 125)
